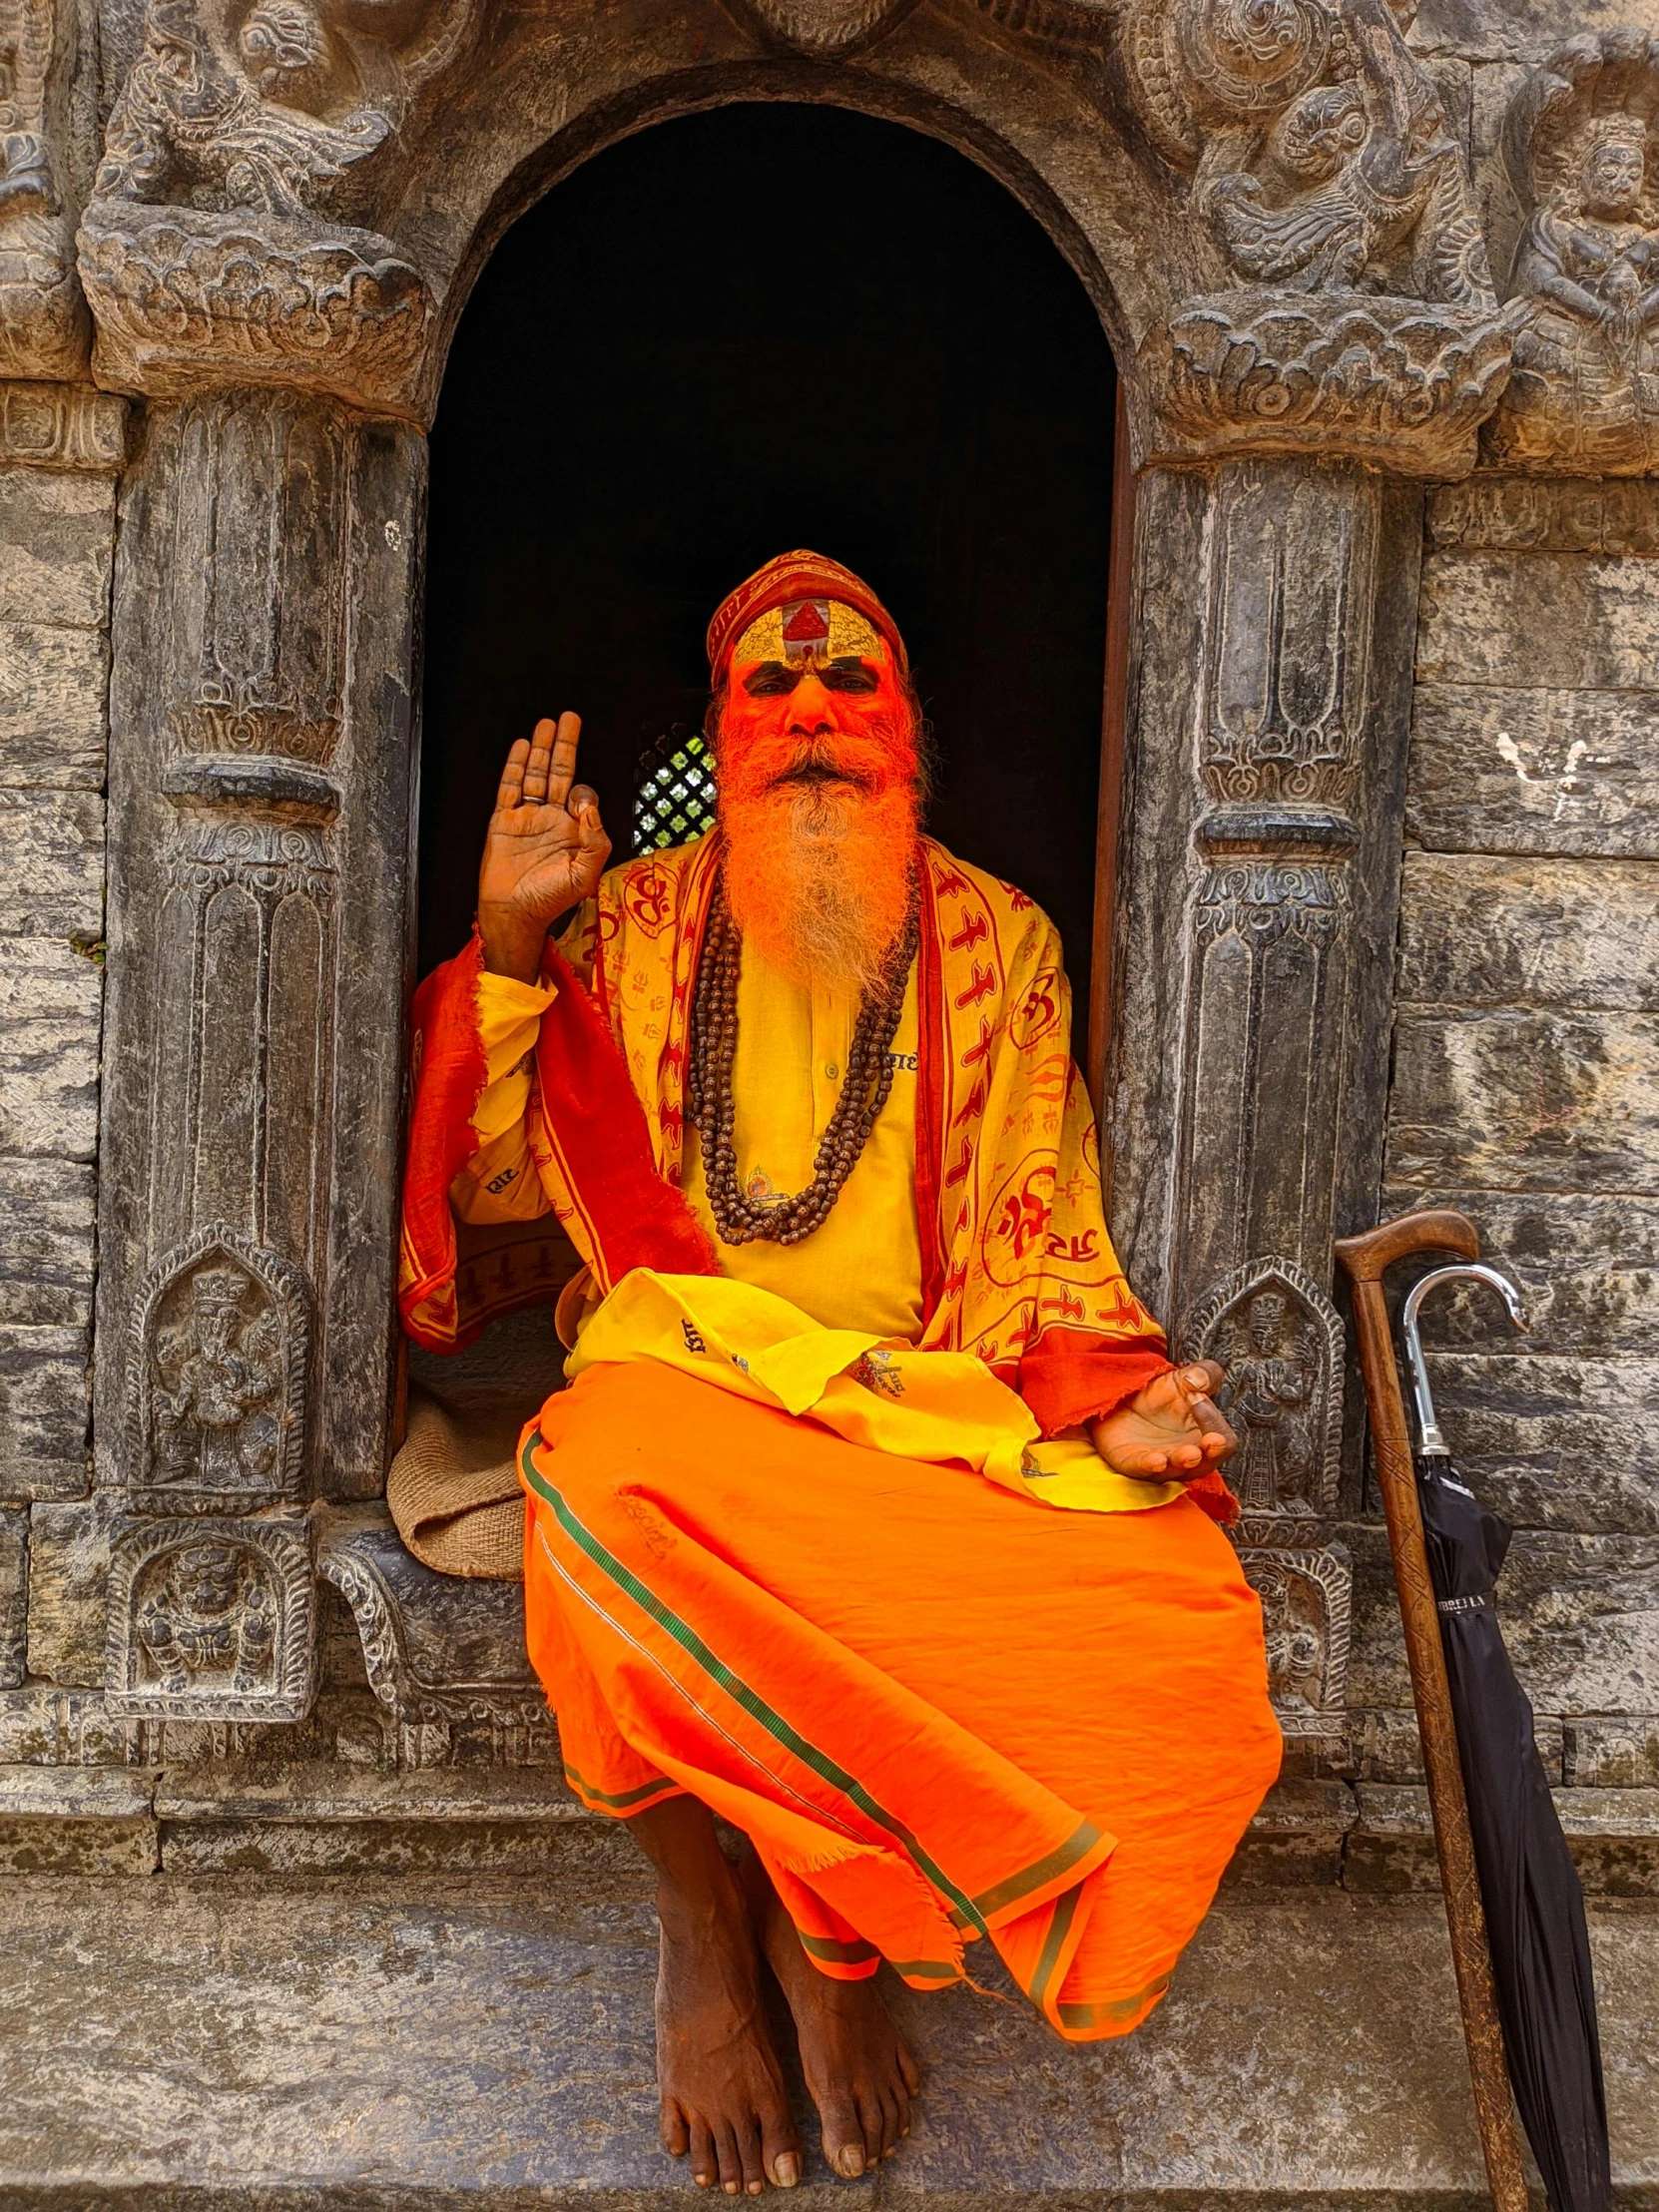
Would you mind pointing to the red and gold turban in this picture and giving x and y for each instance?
(802, 588)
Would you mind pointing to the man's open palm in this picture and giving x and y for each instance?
(545, 849)
(1169, 1431)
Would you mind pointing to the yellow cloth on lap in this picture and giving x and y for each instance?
(943, 1406)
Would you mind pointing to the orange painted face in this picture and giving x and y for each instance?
(823, 707)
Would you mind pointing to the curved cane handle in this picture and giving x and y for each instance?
(1437, 1229)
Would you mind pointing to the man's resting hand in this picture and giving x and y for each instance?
(544, 853)
(1170, 1430)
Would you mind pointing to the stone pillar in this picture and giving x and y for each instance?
(1250, 1070)
(259, 800)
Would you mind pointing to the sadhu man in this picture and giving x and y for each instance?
(875, 1518)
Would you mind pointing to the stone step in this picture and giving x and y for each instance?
(323, 1818)
(218, 2044)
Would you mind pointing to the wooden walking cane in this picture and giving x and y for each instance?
(1365, 1259)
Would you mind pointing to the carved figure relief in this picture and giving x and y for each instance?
(235, 128)
(1584, 393)
(210, 1619)
(265, 107)
(1280, 1339)
(217, 1376)
(1306, 1609)
(43, 328)
(1330, 181)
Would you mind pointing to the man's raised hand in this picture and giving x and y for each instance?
(1171, 1430)
(544, 853)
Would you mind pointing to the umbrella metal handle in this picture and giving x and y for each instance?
(1364, 1258)
(1431, 1444)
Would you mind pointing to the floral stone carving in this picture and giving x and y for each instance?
(1389, 381)
(1585, 396)
(216, 1377)
(1280, 1339)
(43, 319)
(177, 294)
(212, 1619)
(1327, 178)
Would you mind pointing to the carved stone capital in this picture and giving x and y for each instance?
(1585, 396)
(1400, 384)
(186, 299)
(211, 1620)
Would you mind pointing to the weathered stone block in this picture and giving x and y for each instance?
(1296, 1837)
(66, 1728)
(1613, 1752)
(1386, 1746)
(1518, 30)
(68, 1576)
(1579, 1613)
(1497, 770)
(76, 1819)
(57, 543)
(51, 862)
(1587, 1266)
(1571, 621)
(1489, 513)
(1547, 1101)
(46, 1242)
(43, 1413)
(14, 1595)
(1554, 1442)
(1482, 931)
(1613, 1836)
(53, 687)
(50, 1003)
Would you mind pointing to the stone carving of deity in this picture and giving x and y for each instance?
(1272, 1373)
(210, 1614)
(1584, 391)
(1295, 1644)
(1356, 184)
(218, 1375)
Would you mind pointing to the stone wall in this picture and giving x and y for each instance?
(60, 449)
(1526, 1053)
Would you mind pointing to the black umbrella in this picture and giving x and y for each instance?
(1529, 1886)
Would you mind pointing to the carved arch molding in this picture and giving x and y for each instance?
(267, 243)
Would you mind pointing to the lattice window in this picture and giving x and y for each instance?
(674, 791)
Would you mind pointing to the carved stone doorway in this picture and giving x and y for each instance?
(765, 326)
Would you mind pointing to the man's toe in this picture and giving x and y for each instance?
(676, 2136)
(704, 2166)
(779, 2146)
(843, 2138)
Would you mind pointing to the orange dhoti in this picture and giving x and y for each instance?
(941, 1709)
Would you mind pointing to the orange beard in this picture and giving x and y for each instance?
(817, 871)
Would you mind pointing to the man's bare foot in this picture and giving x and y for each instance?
(722, 2088)
(860, 2075)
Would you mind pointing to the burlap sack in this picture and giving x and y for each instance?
(454, 1490)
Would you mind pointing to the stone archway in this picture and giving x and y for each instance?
(1300, 351)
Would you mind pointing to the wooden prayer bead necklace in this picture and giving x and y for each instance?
(710, 1104)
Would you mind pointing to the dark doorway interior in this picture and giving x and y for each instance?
(741, 331)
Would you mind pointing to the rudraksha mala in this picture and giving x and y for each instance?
(710, 1104)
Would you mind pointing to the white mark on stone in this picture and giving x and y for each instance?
(394, 535)
(1563, 785)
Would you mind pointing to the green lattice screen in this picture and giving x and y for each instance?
(674, 791)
